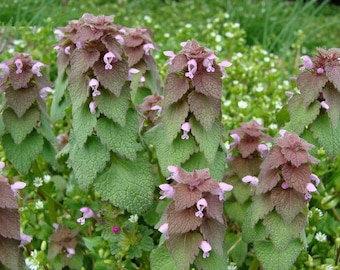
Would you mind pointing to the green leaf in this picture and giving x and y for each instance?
(169, 154)
(21, 100)
(2, 126)
(237, 248)
(173, 116)
(83, 123)
(301, 117)
(236, 211)
(332, 98)
(61, 99)
(160, 259)
(260, 207)
(117, 138)
(184, 248)
(127, 184)
(213, 232)
(252, 233)
(112, 79)
(281, 233)
(19, 128)
(205, 108)
(78, 89)
(49, 154)
(326, 135)
(23, 154)
(114, 107)
(272, 259)
(198, 161)
(208, 141)
(241, 191)
(45, 129)
(214, 261)
(87, 160)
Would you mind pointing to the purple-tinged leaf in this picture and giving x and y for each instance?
(87, 32)
(135, 54)
(11, 255)
(10, 223)
(214, 231)
(288, 203)
(174, 88)
(333, 73)
(112, 45)
(186, 197)
(268, 179)
(112, 79)
(205, 108)
(184, 248)
(248, 145)
(22, 79)
(244, 166)
(297, 177)
(295, 156)
(82, 60)
(208, 83)
(178, 63)
(182, 221)
(310, 85)
(215, 208)
(332, 98)
(7, 199)
(274, 159)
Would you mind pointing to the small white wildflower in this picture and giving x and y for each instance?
(218, 48)
(229, 34)
(133, 218)
(319, 212)
(226, 15)
(166, 35)
(188, 25)
(242, 104)
(236, 25)
(38, 182)
(147, 19)
(329, 267)
(231, 267)
(266, 59)
(32, 262)
(259, 87)
(47, 178)
(209, 25)
(218, 38)
(321, 237)
(227, 103)
(272, 126)
(310, 214)
(39, 204)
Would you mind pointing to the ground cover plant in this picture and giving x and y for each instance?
(127, 145)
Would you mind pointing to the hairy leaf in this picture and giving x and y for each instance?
(173, 116)
(241, 191)
(160, 259)
(87, 160)
(174, 88)
(83, 123)
(333, 73)
(288, 203)
(214, 261)
(310, 85)
(239, 250)
(208, 141)
(112, 79)
(248, 145)
(7, 199)
(114, 107)
(120, 139)
(213, 231)
(21, 100)
(10, 223)
(135, 54)
(2, 126)
(215, 207)
(300, 117)
(112, 45)
(268, 179)
(127, 184)
(78, 89)
(185, 197)
(209, 83)
(205, 108)
(274, 159)
(22, 79)
(281, 234)
(327, 135)
(244, 166)
(297, 177)
(22, 155)
(260, 207)
(178, 63)
(81, 60)
(182, 221)
(19, 128)
(61, 99)
(11, 255)
(272, 259)
(332, 98)
(184, 248)
(252, 233)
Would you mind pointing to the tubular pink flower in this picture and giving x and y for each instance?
(120, 39)
(282, 132)
(320, 70)
(183, 43)
(262, 149)
(92, 107)
(5, 70)
(164, 230)
(167, 191)
(186, 129)
(174, 173)
(2, 165)
(201, 205)
(87, 213)
(223, 65)
(70, 252)
(170, 54)
(314, 178)
(36, 68)
(80, 45)
(324, 105)
(192, 68)
(19, 66)
(44, 91)
(67, 50)
(250, 179)
(208, 62)
(307, 62)
(158, 109)
(108, 58)
(24, 239)
(59, 34)
(309, 188)
(205, 247)
(94, 84)
(220, 191)
(17, 186)
(284, 185)
(148, 47)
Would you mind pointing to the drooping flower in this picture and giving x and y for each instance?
(309, 188)
(201, 205)
(208, 63)
(92, 107)
(131, 72)
(17, 186)
(205, 247)
(43, 92)
(19, 66)
(24, 239)
(250, 179)
(223, 65)
(94, 84)
(36, 68)
(186, 129)
(320, 70)
(108, 58)
(120, 39)
(174, 173)
(67, 50)
(324, 105)
(307, 62)
(148, 47)
(87, 213)
(167, 191)
(192, 68)
(284, 185)
(164, 230)
(220, 191)
(314, 178)
(170, 54)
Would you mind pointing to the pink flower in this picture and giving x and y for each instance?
(220, 191)
(223, 65)
(70, 252)
(284, 185)
(93, 83)
(19, 66)
(314, 178)
(174, 173)
(17, 186)
(115, 229)
(205, 247)
(186, 128)
(170, 54)
(324, 105)
(201, 205)
(148, 47)
(108, 58)
(250, 179)
(320, 70)
(36, 68)
(262, 149)
(309, 188)
(208, 62)
(59, 34)
(131, 72)
(167, 191)
(307, 63)
(120, 39)
(192, 68)
(92, 107)
(24, 239)
(67, 50)
(164, 230)
(5, 70)
(158, 109)
(44, 91)
(87, 213)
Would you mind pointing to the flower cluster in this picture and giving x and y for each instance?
(197, 206)
(64, 239)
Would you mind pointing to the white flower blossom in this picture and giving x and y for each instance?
(321, 237)
(38, 182)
